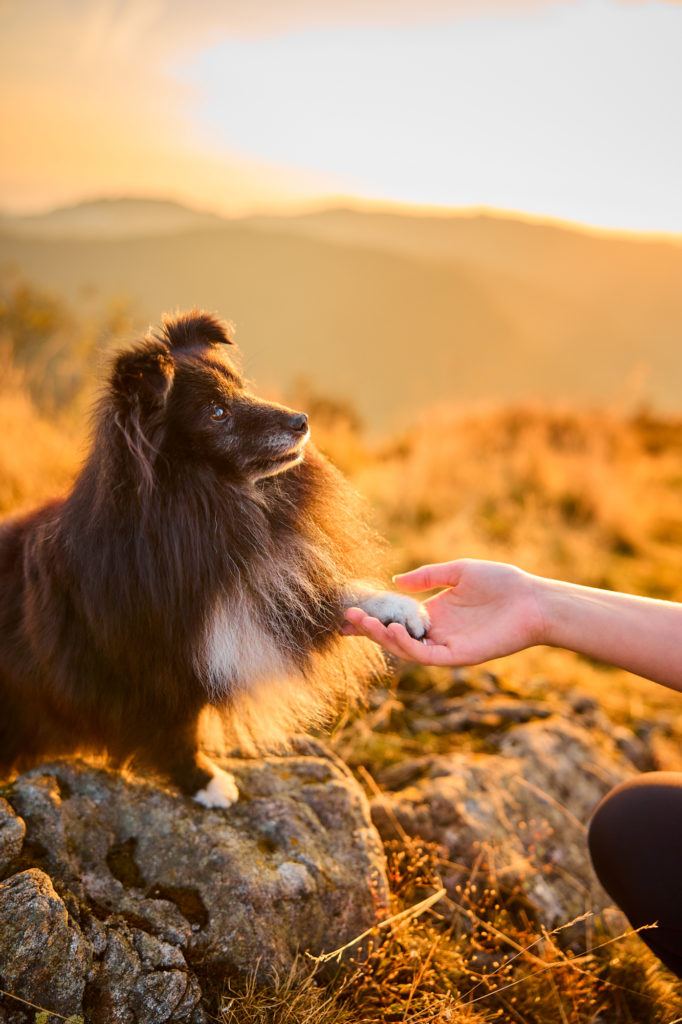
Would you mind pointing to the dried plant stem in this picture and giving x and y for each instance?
(402, 918)
(41, 1009)
(553, 966)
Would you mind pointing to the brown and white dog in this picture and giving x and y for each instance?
(202, 558)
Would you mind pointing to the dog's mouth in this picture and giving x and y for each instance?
(286, 460)
(295, 454)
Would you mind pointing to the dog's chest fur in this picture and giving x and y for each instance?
(236, 651)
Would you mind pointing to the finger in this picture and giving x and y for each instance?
(366, 625)
(406, 647)
(362, 624)
(395, 639)
(354, 616)
(426, 577)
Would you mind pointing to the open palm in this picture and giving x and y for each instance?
(486, 611)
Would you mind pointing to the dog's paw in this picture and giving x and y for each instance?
(221, 791)
(389, 607)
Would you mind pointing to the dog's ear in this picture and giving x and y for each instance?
(143, 376)
(195, 329)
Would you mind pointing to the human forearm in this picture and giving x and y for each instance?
(638, 634)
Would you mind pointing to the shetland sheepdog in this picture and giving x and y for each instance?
(202, 559)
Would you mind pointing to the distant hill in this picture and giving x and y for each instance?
(111, 218)
(396, 311)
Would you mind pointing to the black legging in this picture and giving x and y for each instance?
(635, 841)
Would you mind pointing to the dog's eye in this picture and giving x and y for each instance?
(219, 412)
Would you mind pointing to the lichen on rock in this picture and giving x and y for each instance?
(152, 899)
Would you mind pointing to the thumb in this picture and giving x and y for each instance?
(443, 574)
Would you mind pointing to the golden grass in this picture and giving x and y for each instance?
(591, 496)
(594, 497)
(38, 457)
(470, 961)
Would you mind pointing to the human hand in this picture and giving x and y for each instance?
(488, 610)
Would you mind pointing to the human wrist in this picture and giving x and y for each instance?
(546, 597)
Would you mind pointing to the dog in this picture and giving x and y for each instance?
(202, 560)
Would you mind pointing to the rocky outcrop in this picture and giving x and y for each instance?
(517, 806)
(126, 901)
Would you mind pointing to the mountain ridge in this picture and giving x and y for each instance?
(95, 213)
(110, 217)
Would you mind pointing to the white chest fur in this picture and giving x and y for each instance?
(237, 653)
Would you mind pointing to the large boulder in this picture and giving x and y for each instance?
(159, 898)
(520, 811)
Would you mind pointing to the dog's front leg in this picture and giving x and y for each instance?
(220, 789)
(387, 606)
(191, 770)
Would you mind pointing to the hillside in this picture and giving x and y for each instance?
(393, 311)
(110, 218)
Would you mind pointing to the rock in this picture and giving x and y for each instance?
(164, 897)
(494, 713)
(118, 974)
(141, 979)
(634, 748)
(12, 830)
(524, 808)
(44, 957)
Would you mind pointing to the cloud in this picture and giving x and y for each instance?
(153, 31)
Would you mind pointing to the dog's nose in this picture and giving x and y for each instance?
(299, 422)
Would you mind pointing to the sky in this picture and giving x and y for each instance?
(567, 110)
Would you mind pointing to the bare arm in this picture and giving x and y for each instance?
(488, 610)
(635, 633)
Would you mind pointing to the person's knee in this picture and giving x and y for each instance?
(610, 827)
(613, 816)
(634, 838)
(645, 800)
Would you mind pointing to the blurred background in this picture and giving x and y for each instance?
(450, 230)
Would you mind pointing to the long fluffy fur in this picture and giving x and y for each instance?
(168, 582)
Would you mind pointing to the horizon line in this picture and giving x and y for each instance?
(295, 207)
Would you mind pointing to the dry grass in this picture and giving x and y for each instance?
(593, 497)
(38, 458)
(478, 960)
(590, 497)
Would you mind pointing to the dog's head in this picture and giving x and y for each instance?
(179, 394)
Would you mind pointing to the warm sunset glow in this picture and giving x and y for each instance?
(566, 110)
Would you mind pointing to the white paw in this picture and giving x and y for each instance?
(221, 791)
(389, 607)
